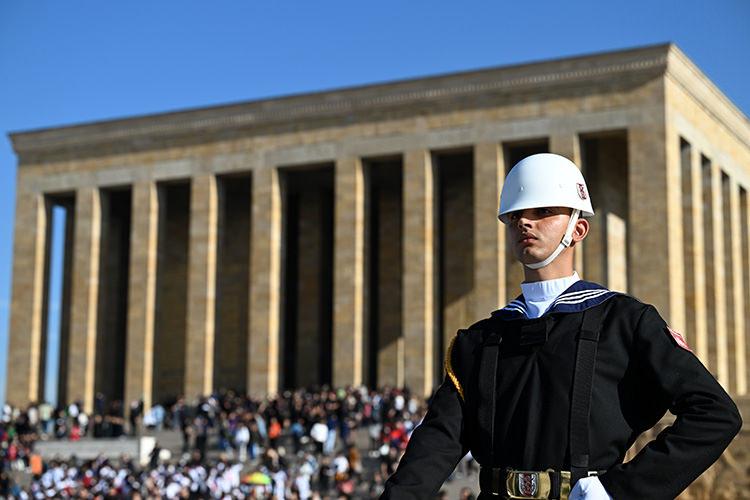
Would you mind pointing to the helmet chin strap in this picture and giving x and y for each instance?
(565, 243)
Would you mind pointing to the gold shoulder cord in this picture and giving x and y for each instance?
(449, 368)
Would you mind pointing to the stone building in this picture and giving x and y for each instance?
(343, 236)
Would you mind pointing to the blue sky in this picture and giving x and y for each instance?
(77, 61)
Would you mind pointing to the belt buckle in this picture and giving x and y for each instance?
(528, 484)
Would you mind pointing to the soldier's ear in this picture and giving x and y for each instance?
(580, 230)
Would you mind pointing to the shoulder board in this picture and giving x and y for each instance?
(449, 367)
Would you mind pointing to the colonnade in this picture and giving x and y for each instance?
(672, 230)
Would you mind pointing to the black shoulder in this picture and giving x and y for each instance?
(462, 352)
(482, 324)
(636, 320)
(628, 306)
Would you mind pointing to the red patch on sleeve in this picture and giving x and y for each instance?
(679, 339)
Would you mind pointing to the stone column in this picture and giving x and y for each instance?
(738, 356)
(489, 232)
(144, 232)
(719, 325)
(698, 304)
(418, 248)
(569, 146)
(655, 213)
(265, 276)
(348, 307)
(26, 355)
(201, 300)
(617, 266)
(84, 303)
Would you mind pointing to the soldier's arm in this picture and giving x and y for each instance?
(706, 418)
(438, 443)
(434, 449)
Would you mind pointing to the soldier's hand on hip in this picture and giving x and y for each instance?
(589, 488)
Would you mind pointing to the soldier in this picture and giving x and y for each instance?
(550, 391)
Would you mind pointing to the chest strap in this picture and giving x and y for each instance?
(580, 404)
(487, 392)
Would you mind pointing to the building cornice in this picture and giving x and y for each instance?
(690, 78)
(363, 102)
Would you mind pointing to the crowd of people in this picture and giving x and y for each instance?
(302, 444)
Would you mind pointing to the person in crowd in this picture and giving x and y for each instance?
(241, 441)
(134, 417)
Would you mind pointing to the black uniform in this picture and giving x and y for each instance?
(641, 371)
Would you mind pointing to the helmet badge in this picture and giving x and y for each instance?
(581, 190)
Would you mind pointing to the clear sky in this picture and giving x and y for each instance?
(76, 61)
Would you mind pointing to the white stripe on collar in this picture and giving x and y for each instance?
(579, 296)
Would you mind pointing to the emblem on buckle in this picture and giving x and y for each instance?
(528, 483)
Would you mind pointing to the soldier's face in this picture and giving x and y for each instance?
(535, 232)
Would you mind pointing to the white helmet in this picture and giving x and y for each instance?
(546, 180)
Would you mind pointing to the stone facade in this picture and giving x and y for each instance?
(369, 233)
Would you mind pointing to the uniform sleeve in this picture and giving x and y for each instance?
(434, 449)
(706, 418)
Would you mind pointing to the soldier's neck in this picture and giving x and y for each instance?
(559, 268)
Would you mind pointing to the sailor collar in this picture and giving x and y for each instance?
(578, 297)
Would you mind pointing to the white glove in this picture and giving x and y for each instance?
(589, 488)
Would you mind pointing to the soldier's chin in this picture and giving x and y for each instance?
(530, 257)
